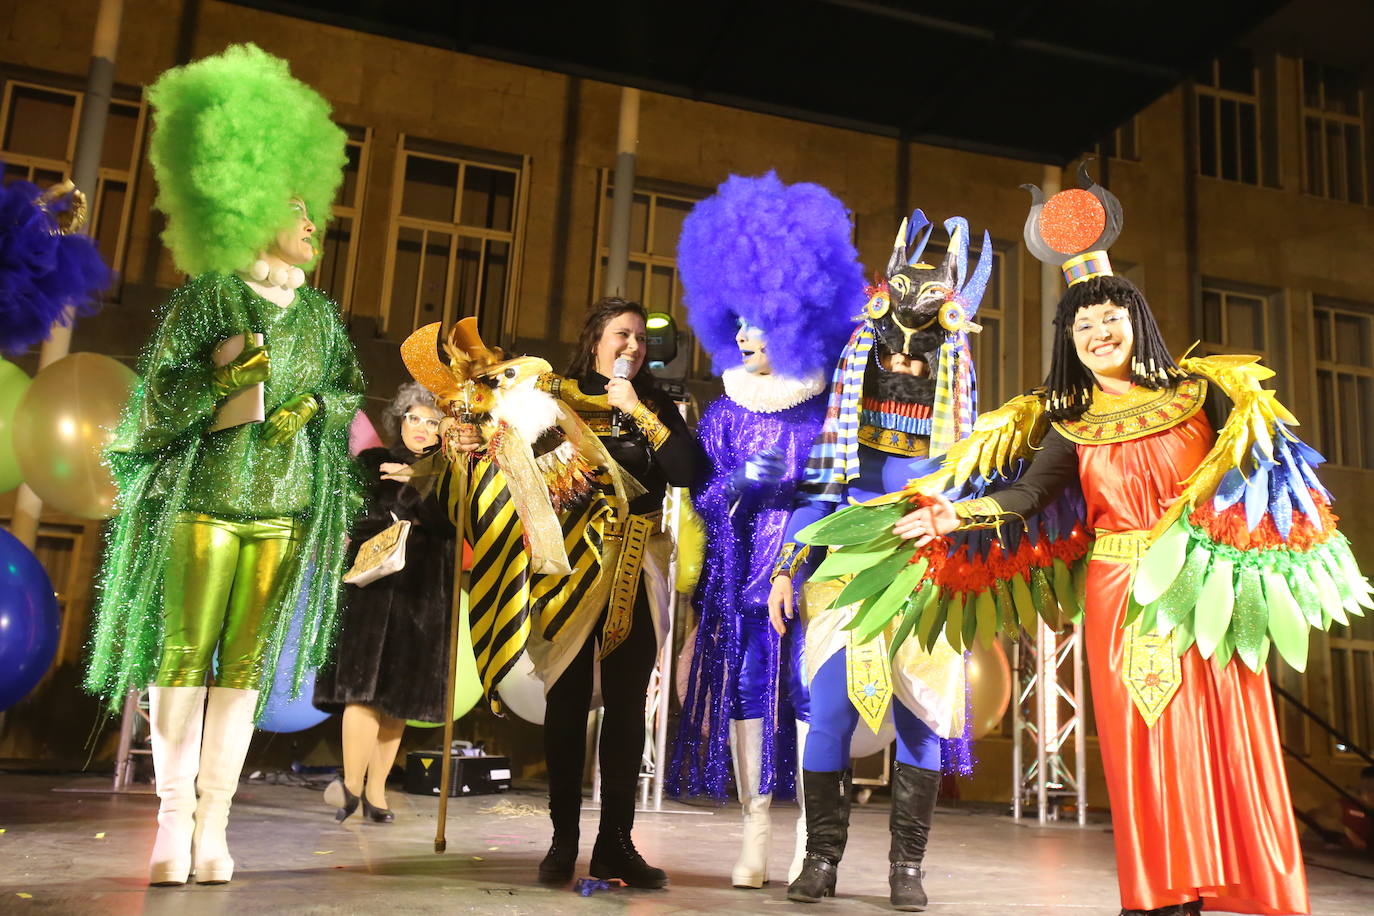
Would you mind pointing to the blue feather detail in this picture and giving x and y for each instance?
(1230, 491)
(1256, 496)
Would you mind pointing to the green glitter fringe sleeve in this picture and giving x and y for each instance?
(156, 446)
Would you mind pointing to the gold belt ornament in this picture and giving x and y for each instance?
(1150, 666)
(869, 673)
(634, 534)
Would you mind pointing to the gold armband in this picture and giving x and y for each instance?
(650, 425)
(983, 512)
(790, 559)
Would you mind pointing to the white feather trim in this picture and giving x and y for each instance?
(527, 409)
(769, 393)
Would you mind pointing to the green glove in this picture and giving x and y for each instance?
(290, 418)
(248, 368)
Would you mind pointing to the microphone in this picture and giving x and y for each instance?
(621, 369)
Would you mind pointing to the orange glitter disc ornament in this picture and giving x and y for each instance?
(1071, 221)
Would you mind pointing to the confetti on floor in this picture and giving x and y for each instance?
(24, 896)
(324, 852)
(506, 808)
(100, 836)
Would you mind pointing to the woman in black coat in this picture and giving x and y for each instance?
(391, 663)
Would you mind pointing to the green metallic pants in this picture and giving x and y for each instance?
(218, 589)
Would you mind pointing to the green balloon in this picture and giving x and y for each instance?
(13, 383)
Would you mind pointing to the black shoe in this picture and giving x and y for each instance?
(380, 815)
(615, 856)
(914, 793)
(336, 795)
(906, 891)
(826, 796)
(561, 859)
(816, 881)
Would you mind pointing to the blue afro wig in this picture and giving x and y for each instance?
(43, 270)
(778, 257)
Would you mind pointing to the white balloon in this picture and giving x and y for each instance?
(865, 743)
(522, 691)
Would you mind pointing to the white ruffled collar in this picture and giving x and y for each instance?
(769, 393)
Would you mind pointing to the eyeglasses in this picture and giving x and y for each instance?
(430, 423)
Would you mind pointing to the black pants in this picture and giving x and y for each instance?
(624, 685)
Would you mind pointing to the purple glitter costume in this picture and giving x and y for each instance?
(736, 667)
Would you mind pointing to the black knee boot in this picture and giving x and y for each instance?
(827, 830)
(914, 792)
(614, 855)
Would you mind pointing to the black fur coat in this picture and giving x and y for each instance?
(392, 651)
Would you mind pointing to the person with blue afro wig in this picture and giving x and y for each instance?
(773, 288)
(236, 488)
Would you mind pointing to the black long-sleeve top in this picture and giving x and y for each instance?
(678, 461)
(1056, 463)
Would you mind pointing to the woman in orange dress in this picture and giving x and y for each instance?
(1201, 812)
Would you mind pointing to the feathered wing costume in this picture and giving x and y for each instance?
(48, 269)
(1181, 577)
(220, 527)
(776, 258)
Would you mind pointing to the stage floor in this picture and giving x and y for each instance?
(76, 852)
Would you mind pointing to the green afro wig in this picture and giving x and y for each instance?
(235, 137)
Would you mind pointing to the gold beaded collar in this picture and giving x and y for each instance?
(1134, 414)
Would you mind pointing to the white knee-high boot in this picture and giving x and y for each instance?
(746, 747)
(228, 731)
(800, 854)
(175, 715)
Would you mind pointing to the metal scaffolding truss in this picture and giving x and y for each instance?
(1046, 716)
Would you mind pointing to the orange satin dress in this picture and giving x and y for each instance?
(1200, 804)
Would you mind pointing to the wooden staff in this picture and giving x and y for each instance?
(459, 619)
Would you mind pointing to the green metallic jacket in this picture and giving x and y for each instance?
(164, 461)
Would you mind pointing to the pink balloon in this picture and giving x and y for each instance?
(362, 435)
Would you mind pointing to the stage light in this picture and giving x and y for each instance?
(662, 339)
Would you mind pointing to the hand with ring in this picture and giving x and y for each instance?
(935, 519)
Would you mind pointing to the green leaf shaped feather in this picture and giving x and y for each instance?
(1287, 623)
(1181, 596)
(1161, 564)
(871, 581)
(1327, 593)
(1215, 604)
(852, 560)
(954, 624)
(853, 525)
(1250, 623)
(893, 599)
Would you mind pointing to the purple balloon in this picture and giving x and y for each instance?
(29, 621)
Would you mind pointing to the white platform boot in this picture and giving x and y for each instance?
(175, 715)
(228, 731)
(746, 747)
(800, 854)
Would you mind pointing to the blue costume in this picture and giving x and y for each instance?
(772, 282)
(902, 394)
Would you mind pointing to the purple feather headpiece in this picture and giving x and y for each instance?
(44, 266)
(778, 257)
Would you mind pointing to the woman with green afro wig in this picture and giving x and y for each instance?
(236, 137)
(236, 489)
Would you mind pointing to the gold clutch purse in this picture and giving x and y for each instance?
(380, 555)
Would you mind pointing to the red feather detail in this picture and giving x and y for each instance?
(1230, 527)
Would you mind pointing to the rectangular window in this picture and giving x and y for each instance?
(455, 231)
(1352, 684)
(1344, 350)
(1228, 118)
(1333, 133)
(651, 278)
(335, 269)
(38, 127)
(1121, 142)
